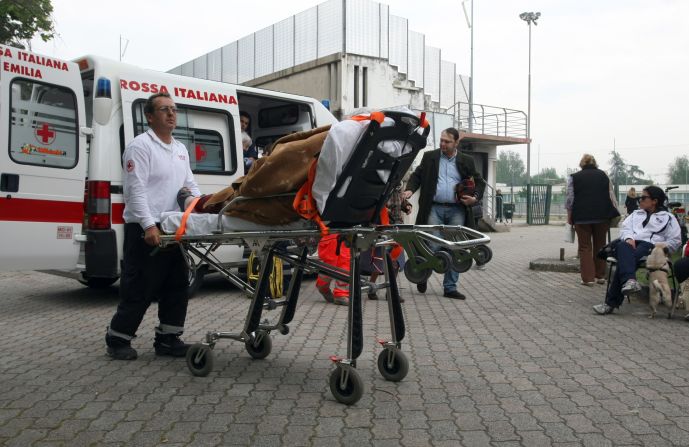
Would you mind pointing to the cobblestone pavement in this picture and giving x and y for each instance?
(524, 361)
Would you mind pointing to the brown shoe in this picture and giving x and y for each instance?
(341, 300)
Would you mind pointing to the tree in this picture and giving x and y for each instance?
(21, 20)
(623, 174)
(678, 172)
(510, 168)
(548, 176)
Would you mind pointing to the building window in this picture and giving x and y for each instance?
(364, 86)
(356, 86)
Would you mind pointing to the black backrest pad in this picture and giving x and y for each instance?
(366, 194)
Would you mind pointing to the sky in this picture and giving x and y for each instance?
(604, 73)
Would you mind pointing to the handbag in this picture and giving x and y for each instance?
(465, 187)
(609, 250)
(569, 233)
(477, 210)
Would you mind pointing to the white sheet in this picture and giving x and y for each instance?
(200, 224)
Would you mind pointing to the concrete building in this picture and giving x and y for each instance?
(354, 53)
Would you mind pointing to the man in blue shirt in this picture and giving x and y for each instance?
(437, 175)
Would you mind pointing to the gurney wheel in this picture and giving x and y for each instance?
(200, 359)
(483, 254)
(462, 266)
(353, 386)
(259, 346)
(414, 274)
(393, 365)
(444, 261)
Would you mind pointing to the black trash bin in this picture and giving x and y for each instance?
(508, 211)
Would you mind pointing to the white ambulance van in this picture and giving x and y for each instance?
(63, 128)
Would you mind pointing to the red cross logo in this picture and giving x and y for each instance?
(200, 153)
(130, 165)
(44, 134)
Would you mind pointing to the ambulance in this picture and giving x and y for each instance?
(64, 126)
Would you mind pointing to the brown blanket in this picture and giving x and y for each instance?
(283, 171)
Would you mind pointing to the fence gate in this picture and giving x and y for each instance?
(538, 204)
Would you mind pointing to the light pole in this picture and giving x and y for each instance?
(470, 24)
(529, 18)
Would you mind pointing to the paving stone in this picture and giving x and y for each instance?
(523, 361)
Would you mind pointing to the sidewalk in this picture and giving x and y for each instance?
(524, 361)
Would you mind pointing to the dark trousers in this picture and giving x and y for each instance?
(144, 278)
(628, 258)
(681, 268)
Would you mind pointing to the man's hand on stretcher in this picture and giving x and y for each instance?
(466, 200)
(152, 236)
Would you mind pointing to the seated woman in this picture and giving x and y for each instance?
(640, 230)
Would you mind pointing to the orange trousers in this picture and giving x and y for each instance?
(327, 252)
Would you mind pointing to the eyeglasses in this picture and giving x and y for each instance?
(645, 197)
(168, 109)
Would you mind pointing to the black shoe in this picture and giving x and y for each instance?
(372, 296)
(170, 344)
(119, 348)
(422, 286)
(455, 295)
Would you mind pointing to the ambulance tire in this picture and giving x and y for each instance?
(98, 283)
(195, 280)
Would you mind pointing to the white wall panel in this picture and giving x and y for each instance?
(305, 36)
(229, 63)
(264, 52)
(384, 29)
(398, 43)
(447, 84)
(215, 65)
(188, 69)
(462, 89)
(416, 57)
(431, 73)
(363, 27)
(201, 67)
(283, 42)
(245, 59)
(330, 27)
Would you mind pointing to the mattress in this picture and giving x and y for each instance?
(200, 224)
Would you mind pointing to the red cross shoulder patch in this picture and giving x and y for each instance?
(130, 165)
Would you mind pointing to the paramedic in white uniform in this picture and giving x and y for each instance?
(155, 167)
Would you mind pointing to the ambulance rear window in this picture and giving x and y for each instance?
(205, 133)
(43, 124)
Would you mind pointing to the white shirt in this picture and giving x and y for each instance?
(154, 172)
(338, 146)
(661, 227)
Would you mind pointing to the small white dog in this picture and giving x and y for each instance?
(659, 288)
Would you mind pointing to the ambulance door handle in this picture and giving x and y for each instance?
(9, 182)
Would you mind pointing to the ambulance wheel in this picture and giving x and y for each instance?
(196, 279)
(483, 254)
(259, 346)
(416, 275)
(200, 359)
(351, 390)
(393, 365)
(444, 260)
(98, 283)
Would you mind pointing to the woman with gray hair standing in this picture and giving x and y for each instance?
(590, 206)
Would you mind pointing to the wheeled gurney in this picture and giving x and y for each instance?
(361, 193)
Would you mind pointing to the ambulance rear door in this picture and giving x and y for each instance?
(42, 161)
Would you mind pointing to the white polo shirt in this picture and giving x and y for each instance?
(153, 174)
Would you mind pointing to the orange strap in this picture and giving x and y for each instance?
(304, 203)
(183, 224)
(379, 117)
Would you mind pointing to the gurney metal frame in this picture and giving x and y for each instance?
(429, 248)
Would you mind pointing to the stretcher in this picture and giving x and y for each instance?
(350, 214)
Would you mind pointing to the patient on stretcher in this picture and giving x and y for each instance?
(273, 180)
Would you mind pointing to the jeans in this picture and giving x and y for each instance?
(448, 215)
(628, 258)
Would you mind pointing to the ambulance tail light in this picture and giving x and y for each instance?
(98, 205)
(102, 101)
